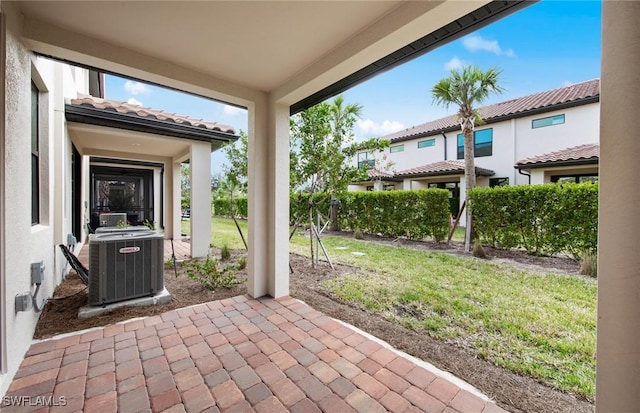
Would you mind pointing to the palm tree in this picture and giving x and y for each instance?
(467, 88)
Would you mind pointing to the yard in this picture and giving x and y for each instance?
(535, 323)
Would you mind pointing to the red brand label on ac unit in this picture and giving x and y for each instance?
(129, 250)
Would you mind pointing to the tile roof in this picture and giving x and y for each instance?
(587, 152)
(442, 168)
(136, 110)
(373, 174)
(547, 99)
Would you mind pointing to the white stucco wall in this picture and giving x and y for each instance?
(27, 243)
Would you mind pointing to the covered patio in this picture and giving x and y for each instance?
(238, 354)
(280, 61)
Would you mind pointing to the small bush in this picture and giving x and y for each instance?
(589, 264)
(357, 234)
(242, 263)
(209, 275)
(225, 253)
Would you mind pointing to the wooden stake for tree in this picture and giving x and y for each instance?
(455, 224)
(315, 231)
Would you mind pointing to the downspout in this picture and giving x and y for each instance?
(162, 197)
(528, 175)
(445, 145)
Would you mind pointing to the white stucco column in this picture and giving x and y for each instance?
(173, 213)
(618, 349)
(200, 198)
(268, 263)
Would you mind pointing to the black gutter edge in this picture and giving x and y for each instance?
(473, 21)
(574, 162)
(509, 116)
(99, 117)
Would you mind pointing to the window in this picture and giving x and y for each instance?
(389, 187)
(498, 182)
(426, 143)
(483, 143)
(548, 121)
(370, 188)
(366, 160)
(35, 155)
(578, 179)
(397, 148)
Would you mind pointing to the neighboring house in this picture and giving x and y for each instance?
(432, 155)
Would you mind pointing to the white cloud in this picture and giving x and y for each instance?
(454, 64)
(134, 101)
(229, 110)
(369, 127)
(477, 43)
(136, 88)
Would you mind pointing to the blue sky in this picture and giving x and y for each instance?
(547, 45)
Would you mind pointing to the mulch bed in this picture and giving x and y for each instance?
(513, 392)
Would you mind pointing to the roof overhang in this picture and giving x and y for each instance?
(460, 172)
(551, 164)
(111, 119)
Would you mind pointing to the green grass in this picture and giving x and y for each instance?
(539, 325)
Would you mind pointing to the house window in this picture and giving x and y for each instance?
(370, 188)
(389, 187)
(397, 148)
(426, 143)
(498, 182)
(366, 160)
(483, 143)
(578, 179)
(35, 155)
(548, 121)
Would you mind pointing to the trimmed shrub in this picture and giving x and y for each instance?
(415, 214)
(546, 218)
(222, 207)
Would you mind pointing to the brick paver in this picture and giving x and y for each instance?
(237, 354)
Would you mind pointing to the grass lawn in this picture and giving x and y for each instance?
(538, 325)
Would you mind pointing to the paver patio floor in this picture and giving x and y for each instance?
(235, 355)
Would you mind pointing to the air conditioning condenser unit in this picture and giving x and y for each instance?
(123, 266)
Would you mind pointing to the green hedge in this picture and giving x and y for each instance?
(222, 207)
(546, 218)
(416, 214)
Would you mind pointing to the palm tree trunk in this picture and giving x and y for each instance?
(470, 181)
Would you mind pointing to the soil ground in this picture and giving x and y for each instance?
(513, 392)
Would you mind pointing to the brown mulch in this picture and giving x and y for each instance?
(513, 392)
